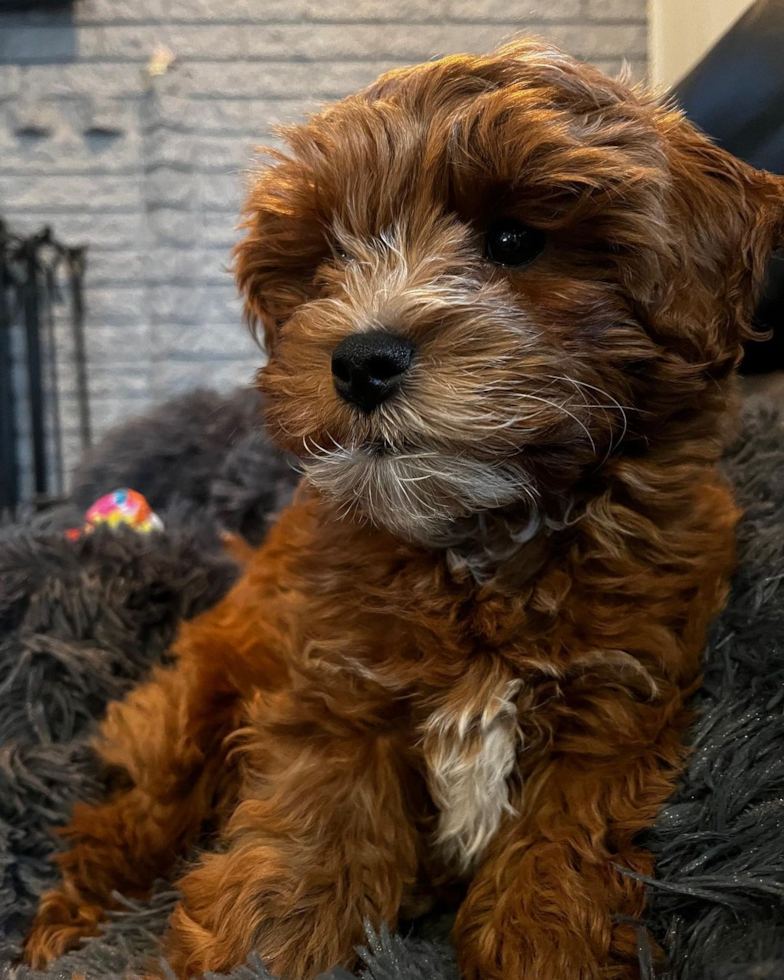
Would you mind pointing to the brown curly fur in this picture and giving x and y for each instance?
(464, 651)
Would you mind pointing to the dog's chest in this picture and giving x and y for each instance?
(471, 747)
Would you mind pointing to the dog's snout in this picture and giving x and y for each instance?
(368, 367)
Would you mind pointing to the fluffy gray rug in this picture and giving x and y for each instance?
(80, 622)
(204, 449)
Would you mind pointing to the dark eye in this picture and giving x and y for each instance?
(340, 252)
(511, 243)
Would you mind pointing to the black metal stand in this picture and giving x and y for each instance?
(29, 358)
(9, 482)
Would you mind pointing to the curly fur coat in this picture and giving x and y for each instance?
(81, 622)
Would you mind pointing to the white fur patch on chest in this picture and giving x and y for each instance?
(470, 750)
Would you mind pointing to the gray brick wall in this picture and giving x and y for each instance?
(148, 172)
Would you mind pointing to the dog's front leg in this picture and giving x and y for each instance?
(549, 901)
(321, 840)
(164, 741)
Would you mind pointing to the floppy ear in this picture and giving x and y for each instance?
(283, 239)
(731, 220)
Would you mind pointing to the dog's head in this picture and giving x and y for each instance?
(484, 278)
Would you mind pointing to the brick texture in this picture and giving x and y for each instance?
(148, 172)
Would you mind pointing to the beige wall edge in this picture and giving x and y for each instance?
(681, 31)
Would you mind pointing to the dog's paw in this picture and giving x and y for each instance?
(61, 924)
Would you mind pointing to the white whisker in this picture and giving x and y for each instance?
(616, 404)
(562, 408)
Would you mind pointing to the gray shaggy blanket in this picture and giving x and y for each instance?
(80, 622)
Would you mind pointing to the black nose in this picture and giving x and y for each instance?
(368, 367)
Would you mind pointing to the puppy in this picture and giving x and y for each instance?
(503, 298)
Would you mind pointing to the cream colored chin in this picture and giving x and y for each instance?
(417, 495)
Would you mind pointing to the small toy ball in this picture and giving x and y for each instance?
(123, 507)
